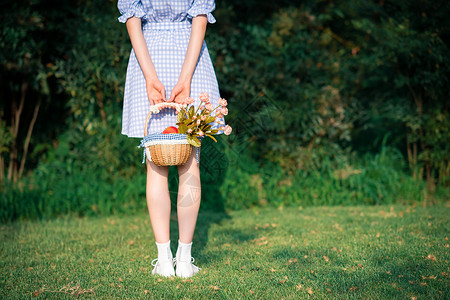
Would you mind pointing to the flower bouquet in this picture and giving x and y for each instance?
(174, 145)
(196, 122)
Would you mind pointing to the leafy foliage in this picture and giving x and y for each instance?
(190, 122)
(315, 90)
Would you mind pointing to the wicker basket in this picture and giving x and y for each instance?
(169, 149)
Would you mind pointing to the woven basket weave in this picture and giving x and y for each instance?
(169, 149)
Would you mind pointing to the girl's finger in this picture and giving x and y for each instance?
(149, 99)
(172, 96)
(163, 93)
(180, 92)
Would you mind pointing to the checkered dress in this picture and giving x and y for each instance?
(166, 27)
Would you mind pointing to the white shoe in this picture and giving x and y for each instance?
(163, 265)
(164, 268)
(185, 269)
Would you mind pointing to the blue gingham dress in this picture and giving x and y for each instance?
(166, 27)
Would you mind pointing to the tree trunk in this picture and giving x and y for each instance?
(411, 149)
(28, 138)
(2, 170)
(430, 178)
(99, 96)
(15, 121)
(428, 168)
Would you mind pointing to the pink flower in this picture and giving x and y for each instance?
(188, 100)
(209, 106)
(189, 130)
(204, 97)
(228, 130)
(194, 117)
(198, 122)
(220, 122)
(224, 110)
(200, 133)
(203, 118)
(223, 102)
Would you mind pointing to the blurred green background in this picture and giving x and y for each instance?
(331, 103)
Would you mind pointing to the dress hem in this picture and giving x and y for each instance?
(141, 137)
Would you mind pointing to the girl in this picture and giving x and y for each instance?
(169, 61)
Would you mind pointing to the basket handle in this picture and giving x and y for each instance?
(156, 108)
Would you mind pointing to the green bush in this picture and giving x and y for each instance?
(374, 179)
(314, 91)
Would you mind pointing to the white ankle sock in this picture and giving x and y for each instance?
(184, 251)
(164, 252)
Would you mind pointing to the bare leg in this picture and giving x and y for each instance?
(189, 196)
(158, 201)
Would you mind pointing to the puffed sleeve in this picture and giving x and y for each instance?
(130, 8)
(200, 7)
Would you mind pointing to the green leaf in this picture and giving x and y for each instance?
(210, 119)
(182, 128)
(212, 137)
(193, 140)
(180, 116)
(191, 112)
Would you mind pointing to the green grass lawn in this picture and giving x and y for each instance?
(382, 252)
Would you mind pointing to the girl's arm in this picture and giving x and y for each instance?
(155, 89)
(183, 88)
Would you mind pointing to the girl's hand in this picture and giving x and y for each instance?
(156, 92)
(180, 92)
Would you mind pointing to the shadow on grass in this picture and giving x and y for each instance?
(392, 272)
(213, 167)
